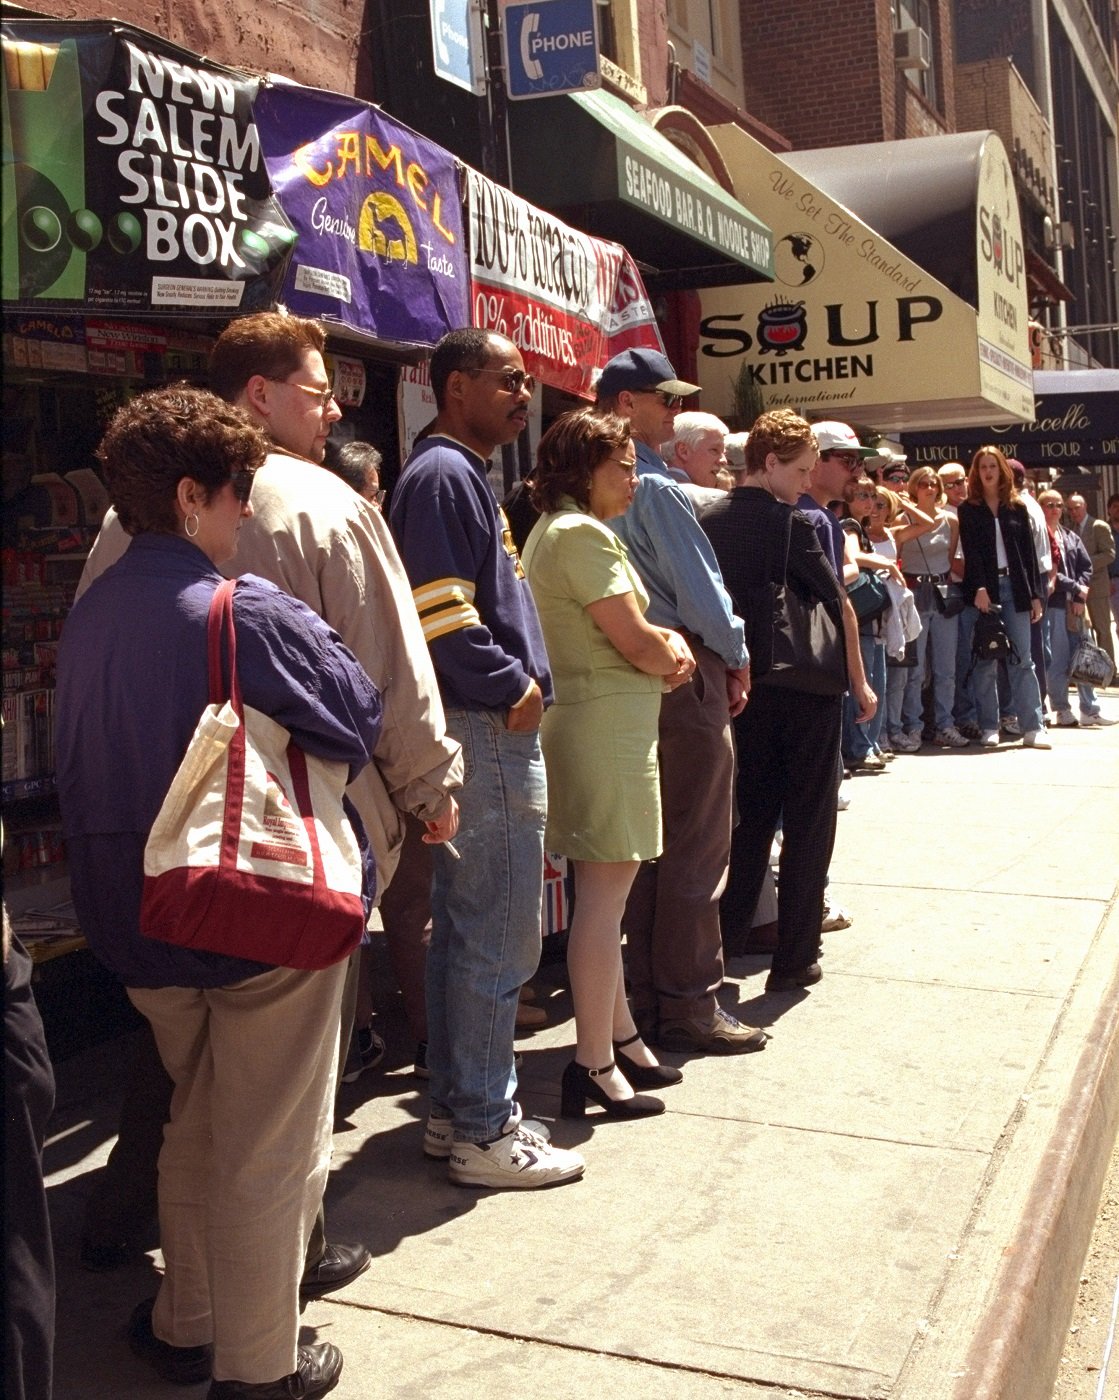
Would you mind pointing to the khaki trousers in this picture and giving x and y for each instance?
(244, 1159)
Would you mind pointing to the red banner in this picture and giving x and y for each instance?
(569, 302)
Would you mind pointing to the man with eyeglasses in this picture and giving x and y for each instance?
(318, 540)
(484, 635)
(673, 935)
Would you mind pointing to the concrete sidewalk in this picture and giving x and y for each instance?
(893, 1199)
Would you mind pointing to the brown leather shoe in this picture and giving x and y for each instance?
(318, 1369)
(530, 1018)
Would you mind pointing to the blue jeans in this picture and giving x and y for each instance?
(1025, 695)
(938, 635)
(485, 924)
(896, 678)
(861, 739)
(1059, 645)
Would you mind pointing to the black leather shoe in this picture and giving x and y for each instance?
(318, 1369)
(794, 981)
(339, 1265)
(179, 1365)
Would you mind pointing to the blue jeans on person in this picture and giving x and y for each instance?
(1059, 646)
(485, 924)
(861, 739)
(1026, 696)
(938, 637)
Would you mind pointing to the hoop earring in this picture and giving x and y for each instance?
(190, 534)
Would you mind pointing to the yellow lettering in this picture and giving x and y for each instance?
(303, 162)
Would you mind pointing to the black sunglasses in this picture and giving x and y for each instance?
(242, 483)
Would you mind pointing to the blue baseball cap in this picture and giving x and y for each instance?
(641, 369)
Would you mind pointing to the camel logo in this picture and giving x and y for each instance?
(782, 326)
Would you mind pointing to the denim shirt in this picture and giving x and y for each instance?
(673, 556)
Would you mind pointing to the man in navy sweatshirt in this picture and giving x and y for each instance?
(481, 626)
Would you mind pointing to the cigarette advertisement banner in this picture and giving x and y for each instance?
(569, 302)
(133, 177)
(378, 211)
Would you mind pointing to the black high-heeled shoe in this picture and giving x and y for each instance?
(579, 1085)
(644, 1076)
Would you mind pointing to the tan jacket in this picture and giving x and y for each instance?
(1100, 544)
(317, 539)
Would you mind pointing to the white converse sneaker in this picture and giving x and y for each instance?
(520, 1160)
(439, 1135)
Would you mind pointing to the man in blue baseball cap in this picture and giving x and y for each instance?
(673, 935)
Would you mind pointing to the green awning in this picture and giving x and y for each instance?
(607, 170)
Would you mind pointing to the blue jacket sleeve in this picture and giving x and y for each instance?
(297, 670)
(688, 564)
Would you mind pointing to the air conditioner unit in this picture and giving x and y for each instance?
(912, 49)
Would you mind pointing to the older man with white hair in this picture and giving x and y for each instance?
(695, 453)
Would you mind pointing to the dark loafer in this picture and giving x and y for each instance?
(318, 1369)
(794, 981)
(179, 1365)
(339, 1265)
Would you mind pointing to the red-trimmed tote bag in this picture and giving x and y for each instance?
(251, 854)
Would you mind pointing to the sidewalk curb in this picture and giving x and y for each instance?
(1017, 1344)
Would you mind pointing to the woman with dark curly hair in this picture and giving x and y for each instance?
(251, 1048)
(1001, 571)
(610, 668)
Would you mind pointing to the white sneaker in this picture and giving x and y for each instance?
(1067, 720)
(520, 1160)
(989, 738)
(950, 738)
(1036, 739)
(835, 918)
(439, 1135)
(1096, 721)
(842, 801)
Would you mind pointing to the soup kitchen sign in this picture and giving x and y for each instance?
(852, 327)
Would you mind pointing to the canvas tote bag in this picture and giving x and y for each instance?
(251, 854)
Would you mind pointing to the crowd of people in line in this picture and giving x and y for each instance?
(658, 666)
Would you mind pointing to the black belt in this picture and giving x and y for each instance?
(927, 578)
(1004, 573)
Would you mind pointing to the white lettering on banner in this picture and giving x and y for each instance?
(188, 152)
(323, 222)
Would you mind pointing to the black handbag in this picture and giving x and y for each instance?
(946, 598)
(991, 641)
(1090, 664)
(869, 596)
(808, 651)
(907, 660)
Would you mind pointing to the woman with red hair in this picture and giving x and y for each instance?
(1001, 570)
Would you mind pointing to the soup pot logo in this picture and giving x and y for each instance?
(782, 326)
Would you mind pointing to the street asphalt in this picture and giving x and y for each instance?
(893, 1199)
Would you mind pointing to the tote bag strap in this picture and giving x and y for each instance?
(219, 627)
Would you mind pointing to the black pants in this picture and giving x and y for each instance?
(29, 1257)
(788, 769)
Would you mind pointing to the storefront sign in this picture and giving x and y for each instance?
(133, 178)
(1076, 424)
(569, 302)
(853, 328)
(378, 212)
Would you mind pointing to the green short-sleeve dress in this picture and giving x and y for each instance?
(600, 737)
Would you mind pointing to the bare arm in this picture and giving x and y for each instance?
(919, 524)
(654, 650)
(864, 697)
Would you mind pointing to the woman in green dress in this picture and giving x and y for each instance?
(610, 668)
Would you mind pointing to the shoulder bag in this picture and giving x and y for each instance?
(1090, 664)
(808, 648)
(869, 596)
(251, 854)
